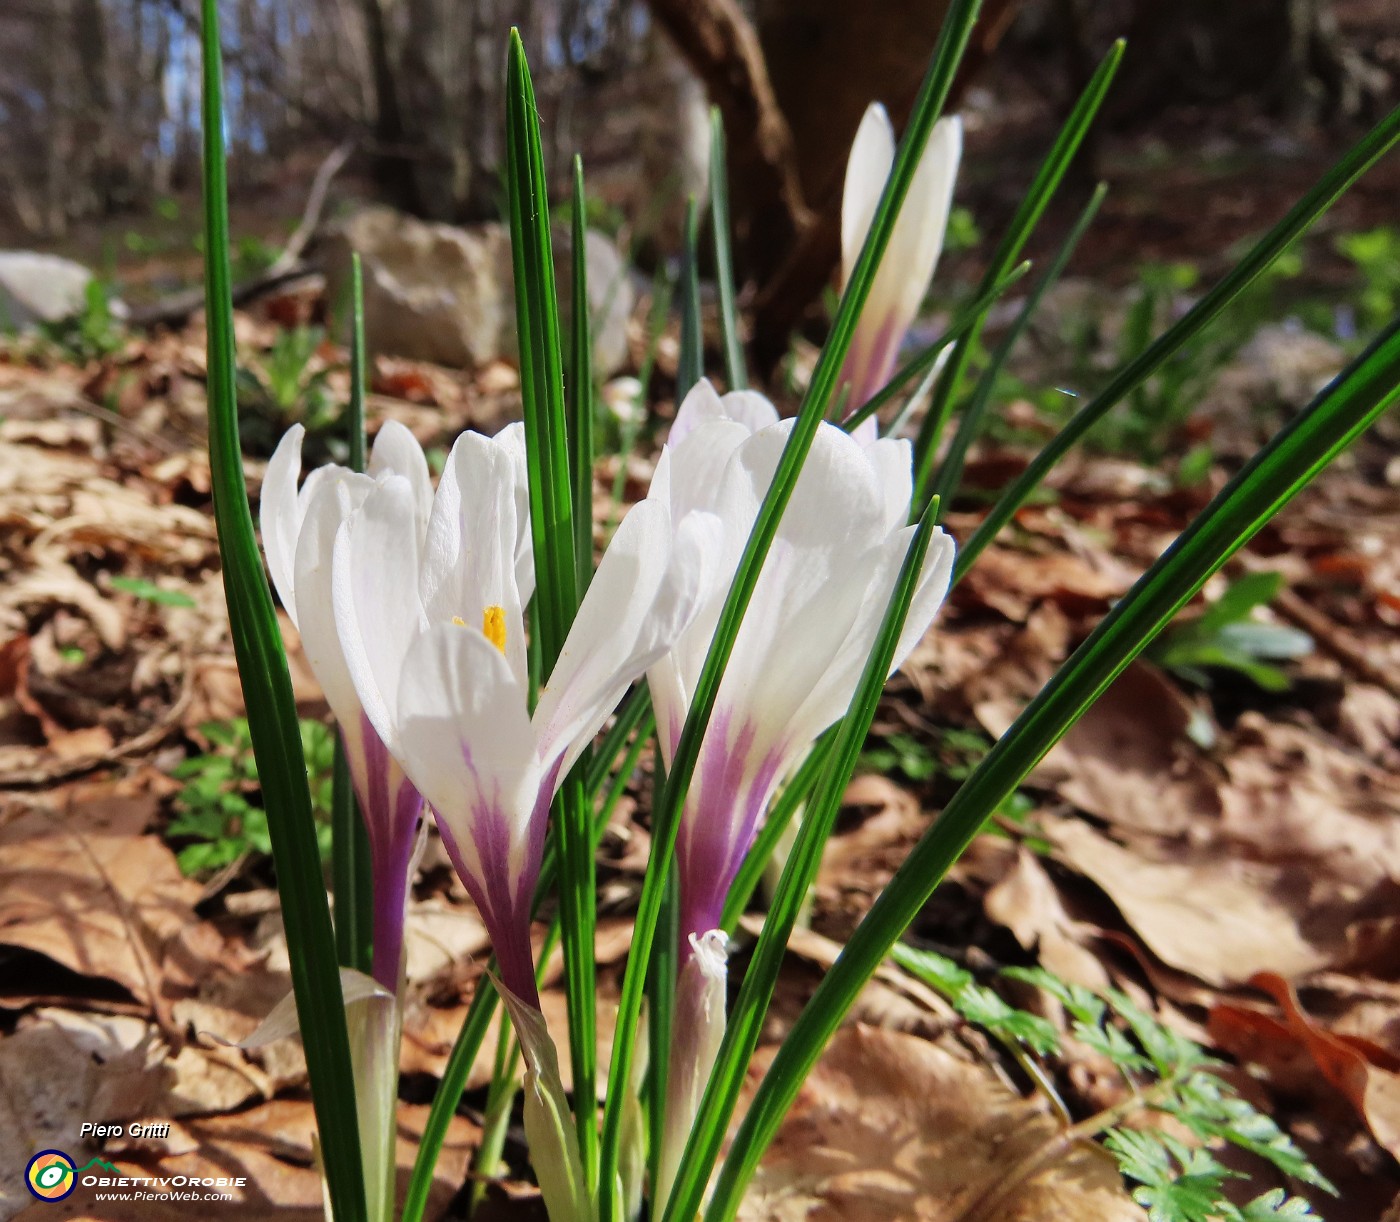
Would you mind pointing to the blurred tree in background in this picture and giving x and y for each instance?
(99, 98)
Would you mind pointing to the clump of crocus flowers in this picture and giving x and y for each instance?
(411, 603)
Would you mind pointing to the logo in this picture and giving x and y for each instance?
(51, 1176)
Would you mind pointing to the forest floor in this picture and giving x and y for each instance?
(1224, 851)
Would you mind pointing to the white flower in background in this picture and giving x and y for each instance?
(800, 650)
(912, 254)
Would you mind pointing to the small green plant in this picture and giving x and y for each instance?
(92, 334)
(284, 387)
(1227, 636)
(218, 811)
(1176, 1110)
(148, 591)
(1376, 254)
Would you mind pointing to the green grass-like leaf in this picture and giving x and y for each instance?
(666, 819)
(149, 592)
(691, 367)
(1360, 158)
(267, 691)
(734, 370)
(552, 487)
(1032, 208)
(352, 880)
(1295, 455)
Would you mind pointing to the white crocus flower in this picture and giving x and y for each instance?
(800, 650)
(298, 531)
(912, 254)
(463, 729)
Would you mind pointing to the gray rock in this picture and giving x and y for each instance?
(445, 294)
(37, 288)
(611, 297)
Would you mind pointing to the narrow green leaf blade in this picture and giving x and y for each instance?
(1037, 199)
(1360, 158)
(351, 879)
(957, 28)
(552, 485)
(1295, 455)
(580, 389)
(267, 691)
(734, 370)
(692, 359)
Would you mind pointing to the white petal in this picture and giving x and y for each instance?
(635, 608)
(893, 461)
(397, 450)
(511, 441)
(331, 503)
(917, 241)
(814, 579)
(701, 405)
(374, 576)
(466, 741)
(872, 155)
(831, 695)
(697, 463)
(280, 513)
(470, 560)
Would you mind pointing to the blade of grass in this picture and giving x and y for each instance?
(692, 358)
(1276, 474)
(970, 316)
(734, 370)
(267, 691)
(552, 530)
(950, 471)
(957, 27)
(351, 880)
(581, 394)
(1032, 208)
(751, 1006)
(661, 999)
(1360, 158)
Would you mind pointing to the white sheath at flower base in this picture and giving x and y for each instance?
(810, 625)
(909, 260)
(700, 997)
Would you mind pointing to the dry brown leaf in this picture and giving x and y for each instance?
(1128, 760)
(1028, 904)
(889, 1126)
(1365, 1072)
(85, 888)
(1294, 795)
(1217, 917)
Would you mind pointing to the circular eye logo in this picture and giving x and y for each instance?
(49, 1175)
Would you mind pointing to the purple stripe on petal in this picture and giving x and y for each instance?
(505, 912)
(721, 818)
(391, 808)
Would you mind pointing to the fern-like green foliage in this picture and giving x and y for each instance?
(1175, 1179)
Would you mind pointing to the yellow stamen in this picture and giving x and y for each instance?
(493, 626)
